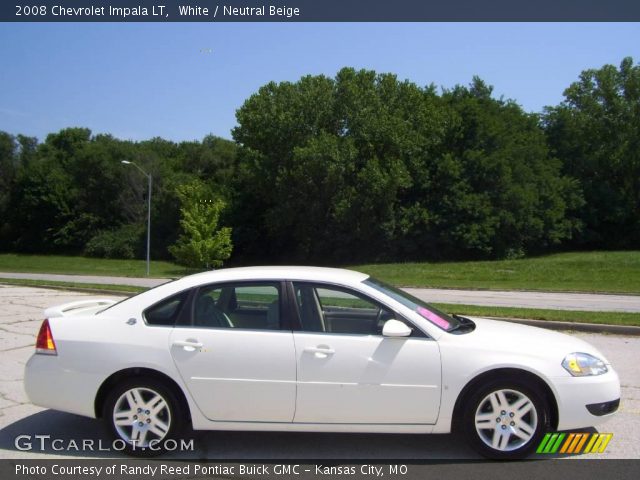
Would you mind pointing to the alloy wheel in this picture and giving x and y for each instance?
(140, 416)
(506, 420)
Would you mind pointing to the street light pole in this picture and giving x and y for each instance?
(148, 175)
(149, 226)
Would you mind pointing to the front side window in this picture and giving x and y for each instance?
(429, 312)
(329, 309)
(250, 306)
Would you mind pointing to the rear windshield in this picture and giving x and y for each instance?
(422, 308)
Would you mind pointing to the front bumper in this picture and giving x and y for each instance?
(586, 401)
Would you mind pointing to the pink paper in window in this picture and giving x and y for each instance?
(433, 318)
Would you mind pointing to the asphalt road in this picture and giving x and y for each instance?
(21, 316)
(524, 299)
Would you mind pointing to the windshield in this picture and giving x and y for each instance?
(435, 316)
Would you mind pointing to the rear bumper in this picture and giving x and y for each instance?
(586, 401)
(49, 385)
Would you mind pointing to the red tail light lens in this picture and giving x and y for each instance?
(44, 342)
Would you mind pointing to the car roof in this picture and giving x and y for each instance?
(308, 273)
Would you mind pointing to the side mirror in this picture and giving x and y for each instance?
(395, 328)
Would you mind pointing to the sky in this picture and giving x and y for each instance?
(182, 81)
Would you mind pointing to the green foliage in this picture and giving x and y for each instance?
(325, 161)
(124, 242)
(72, 194)
(203, 244)
(595, 132)
(8, 164)
(365, 166)
(498, 193)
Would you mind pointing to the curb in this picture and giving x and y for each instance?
(523, 290)
(576, 326)
(98, 291)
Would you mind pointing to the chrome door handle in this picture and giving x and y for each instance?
(188, 345)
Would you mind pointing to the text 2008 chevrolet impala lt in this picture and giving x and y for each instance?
(311, 349)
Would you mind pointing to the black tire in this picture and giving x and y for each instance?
(506, 424)
(170, 414)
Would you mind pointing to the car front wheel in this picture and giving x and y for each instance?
(506, 420)
(143, 415)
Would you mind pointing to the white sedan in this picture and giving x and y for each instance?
(311, 349)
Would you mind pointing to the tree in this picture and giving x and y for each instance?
(203, 244)
(8, 166)
(365, 167)
(72, 194)
(44, 195)
(495, 190)
(323, 162)
(595, 132)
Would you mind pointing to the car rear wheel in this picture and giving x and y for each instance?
(506, 420)
(143, 415)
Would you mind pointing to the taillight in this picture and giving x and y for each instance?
(44, 342)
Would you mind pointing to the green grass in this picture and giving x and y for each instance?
(605, 318)
(116, 289)
(10, 262)
(613, 272)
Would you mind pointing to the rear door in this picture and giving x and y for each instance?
(236, 353)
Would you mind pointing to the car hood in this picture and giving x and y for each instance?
(524, 339)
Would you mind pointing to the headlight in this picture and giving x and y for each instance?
(582, 364)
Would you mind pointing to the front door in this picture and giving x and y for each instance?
(237, 362)
(349, 373)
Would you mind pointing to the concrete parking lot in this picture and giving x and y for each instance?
(21, 316)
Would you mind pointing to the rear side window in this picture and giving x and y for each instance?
(254, 306)
(165, 312)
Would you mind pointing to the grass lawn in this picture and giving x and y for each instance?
(10, 262)
(611, 272)
(108, 289)
(614, 272)
(605, 318)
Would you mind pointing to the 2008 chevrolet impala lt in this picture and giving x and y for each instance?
(311, 349)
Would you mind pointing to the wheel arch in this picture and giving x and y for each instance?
(520, 375)
(140, 372)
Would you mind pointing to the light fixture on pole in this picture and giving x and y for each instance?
(148, 175)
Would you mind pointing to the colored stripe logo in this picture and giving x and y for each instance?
(574, 443)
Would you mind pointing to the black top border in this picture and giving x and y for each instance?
(320, 11)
